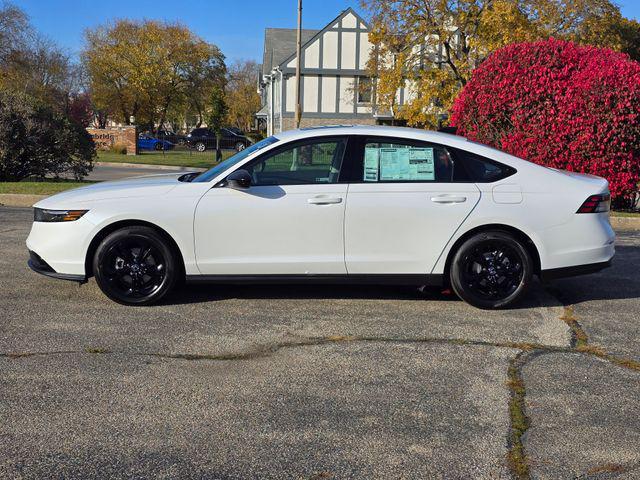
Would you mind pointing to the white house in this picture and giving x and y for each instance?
(333, 67)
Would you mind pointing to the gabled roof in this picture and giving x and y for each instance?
(278, 45)
(319, 33)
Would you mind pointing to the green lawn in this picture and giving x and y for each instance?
(40, 188)
(179, 159)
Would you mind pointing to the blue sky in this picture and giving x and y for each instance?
(237, 27)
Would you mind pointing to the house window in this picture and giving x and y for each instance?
(364, 88)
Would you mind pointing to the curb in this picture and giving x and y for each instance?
(625, 223)
(149, 166)
(19, 199)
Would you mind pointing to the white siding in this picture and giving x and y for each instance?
(348, 60)
(349, 21)
(365, 50)
(292, 63)
(328, 94)
(312, 55)
(346, 94)
(330, 50)
(291, 94)
(310, 101)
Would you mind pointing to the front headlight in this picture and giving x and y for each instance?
(44, 215)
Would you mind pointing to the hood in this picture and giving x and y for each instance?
(133, 187)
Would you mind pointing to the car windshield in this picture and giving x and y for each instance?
(231, 161)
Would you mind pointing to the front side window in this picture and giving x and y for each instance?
(396, 160)
(306, 163)
(233, 160)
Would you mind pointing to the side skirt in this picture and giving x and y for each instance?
(376, 279)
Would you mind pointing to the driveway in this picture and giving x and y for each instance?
(317, 382)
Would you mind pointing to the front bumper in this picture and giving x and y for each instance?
(38, 265)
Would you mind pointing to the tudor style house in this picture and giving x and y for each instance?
(334, 86)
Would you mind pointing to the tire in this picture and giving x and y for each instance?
(240, 146)
(200, 146)
(135, 266)
(159, 146)
(491, 270)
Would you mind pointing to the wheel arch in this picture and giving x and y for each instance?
(517, 233)
(112, 227)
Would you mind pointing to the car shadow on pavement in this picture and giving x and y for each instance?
(620, 281)
(202, 293)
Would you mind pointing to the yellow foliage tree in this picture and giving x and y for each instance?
(242, 94)
(431, 47)
(142, 69)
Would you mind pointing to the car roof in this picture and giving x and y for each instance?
(374, 130)
(440, 138)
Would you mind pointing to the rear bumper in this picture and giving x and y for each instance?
(554, 273)
(38, 265)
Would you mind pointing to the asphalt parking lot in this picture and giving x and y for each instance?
(317, 382)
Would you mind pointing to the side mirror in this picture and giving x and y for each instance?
(240, 179)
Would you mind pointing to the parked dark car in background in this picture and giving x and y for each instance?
(147, 142)
(205, 139)
(175, 138)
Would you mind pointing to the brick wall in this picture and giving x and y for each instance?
(105, 138)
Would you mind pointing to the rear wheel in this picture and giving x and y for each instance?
(135, 266)
(491, 270)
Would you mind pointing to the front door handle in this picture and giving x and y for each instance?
(446, 199)
(324, 200)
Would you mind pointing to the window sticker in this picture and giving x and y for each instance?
(402, 164)
(371, 164)
(421, 165)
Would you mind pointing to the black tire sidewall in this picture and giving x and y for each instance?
(159, 242)
(455, 273)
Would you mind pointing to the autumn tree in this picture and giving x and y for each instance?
(242, 94)
(148, 70)
(431, 47)
(217, 113)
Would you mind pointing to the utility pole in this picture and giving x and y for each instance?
(298, 52)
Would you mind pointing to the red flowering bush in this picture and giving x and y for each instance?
(561, 105)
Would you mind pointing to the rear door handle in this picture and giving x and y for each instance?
(448, 199)
(324, 200)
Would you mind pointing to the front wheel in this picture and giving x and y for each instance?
(135, 266)
(240, 146)
(201, 147)
(491, 270)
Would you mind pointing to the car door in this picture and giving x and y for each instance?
(405, 201)
(288, 222)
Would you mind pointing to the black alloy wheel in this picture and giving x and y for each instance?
(491, 270)
(135, 266)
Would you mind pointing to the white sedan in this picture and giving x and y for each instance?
(328, 205)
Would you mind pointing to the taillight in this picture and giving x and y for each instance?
(596, 204)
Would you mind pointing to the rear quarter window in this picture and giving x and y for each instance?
(482, 170)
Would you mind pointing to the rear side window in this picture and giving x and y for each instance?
(482, 170)
(400, 160)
